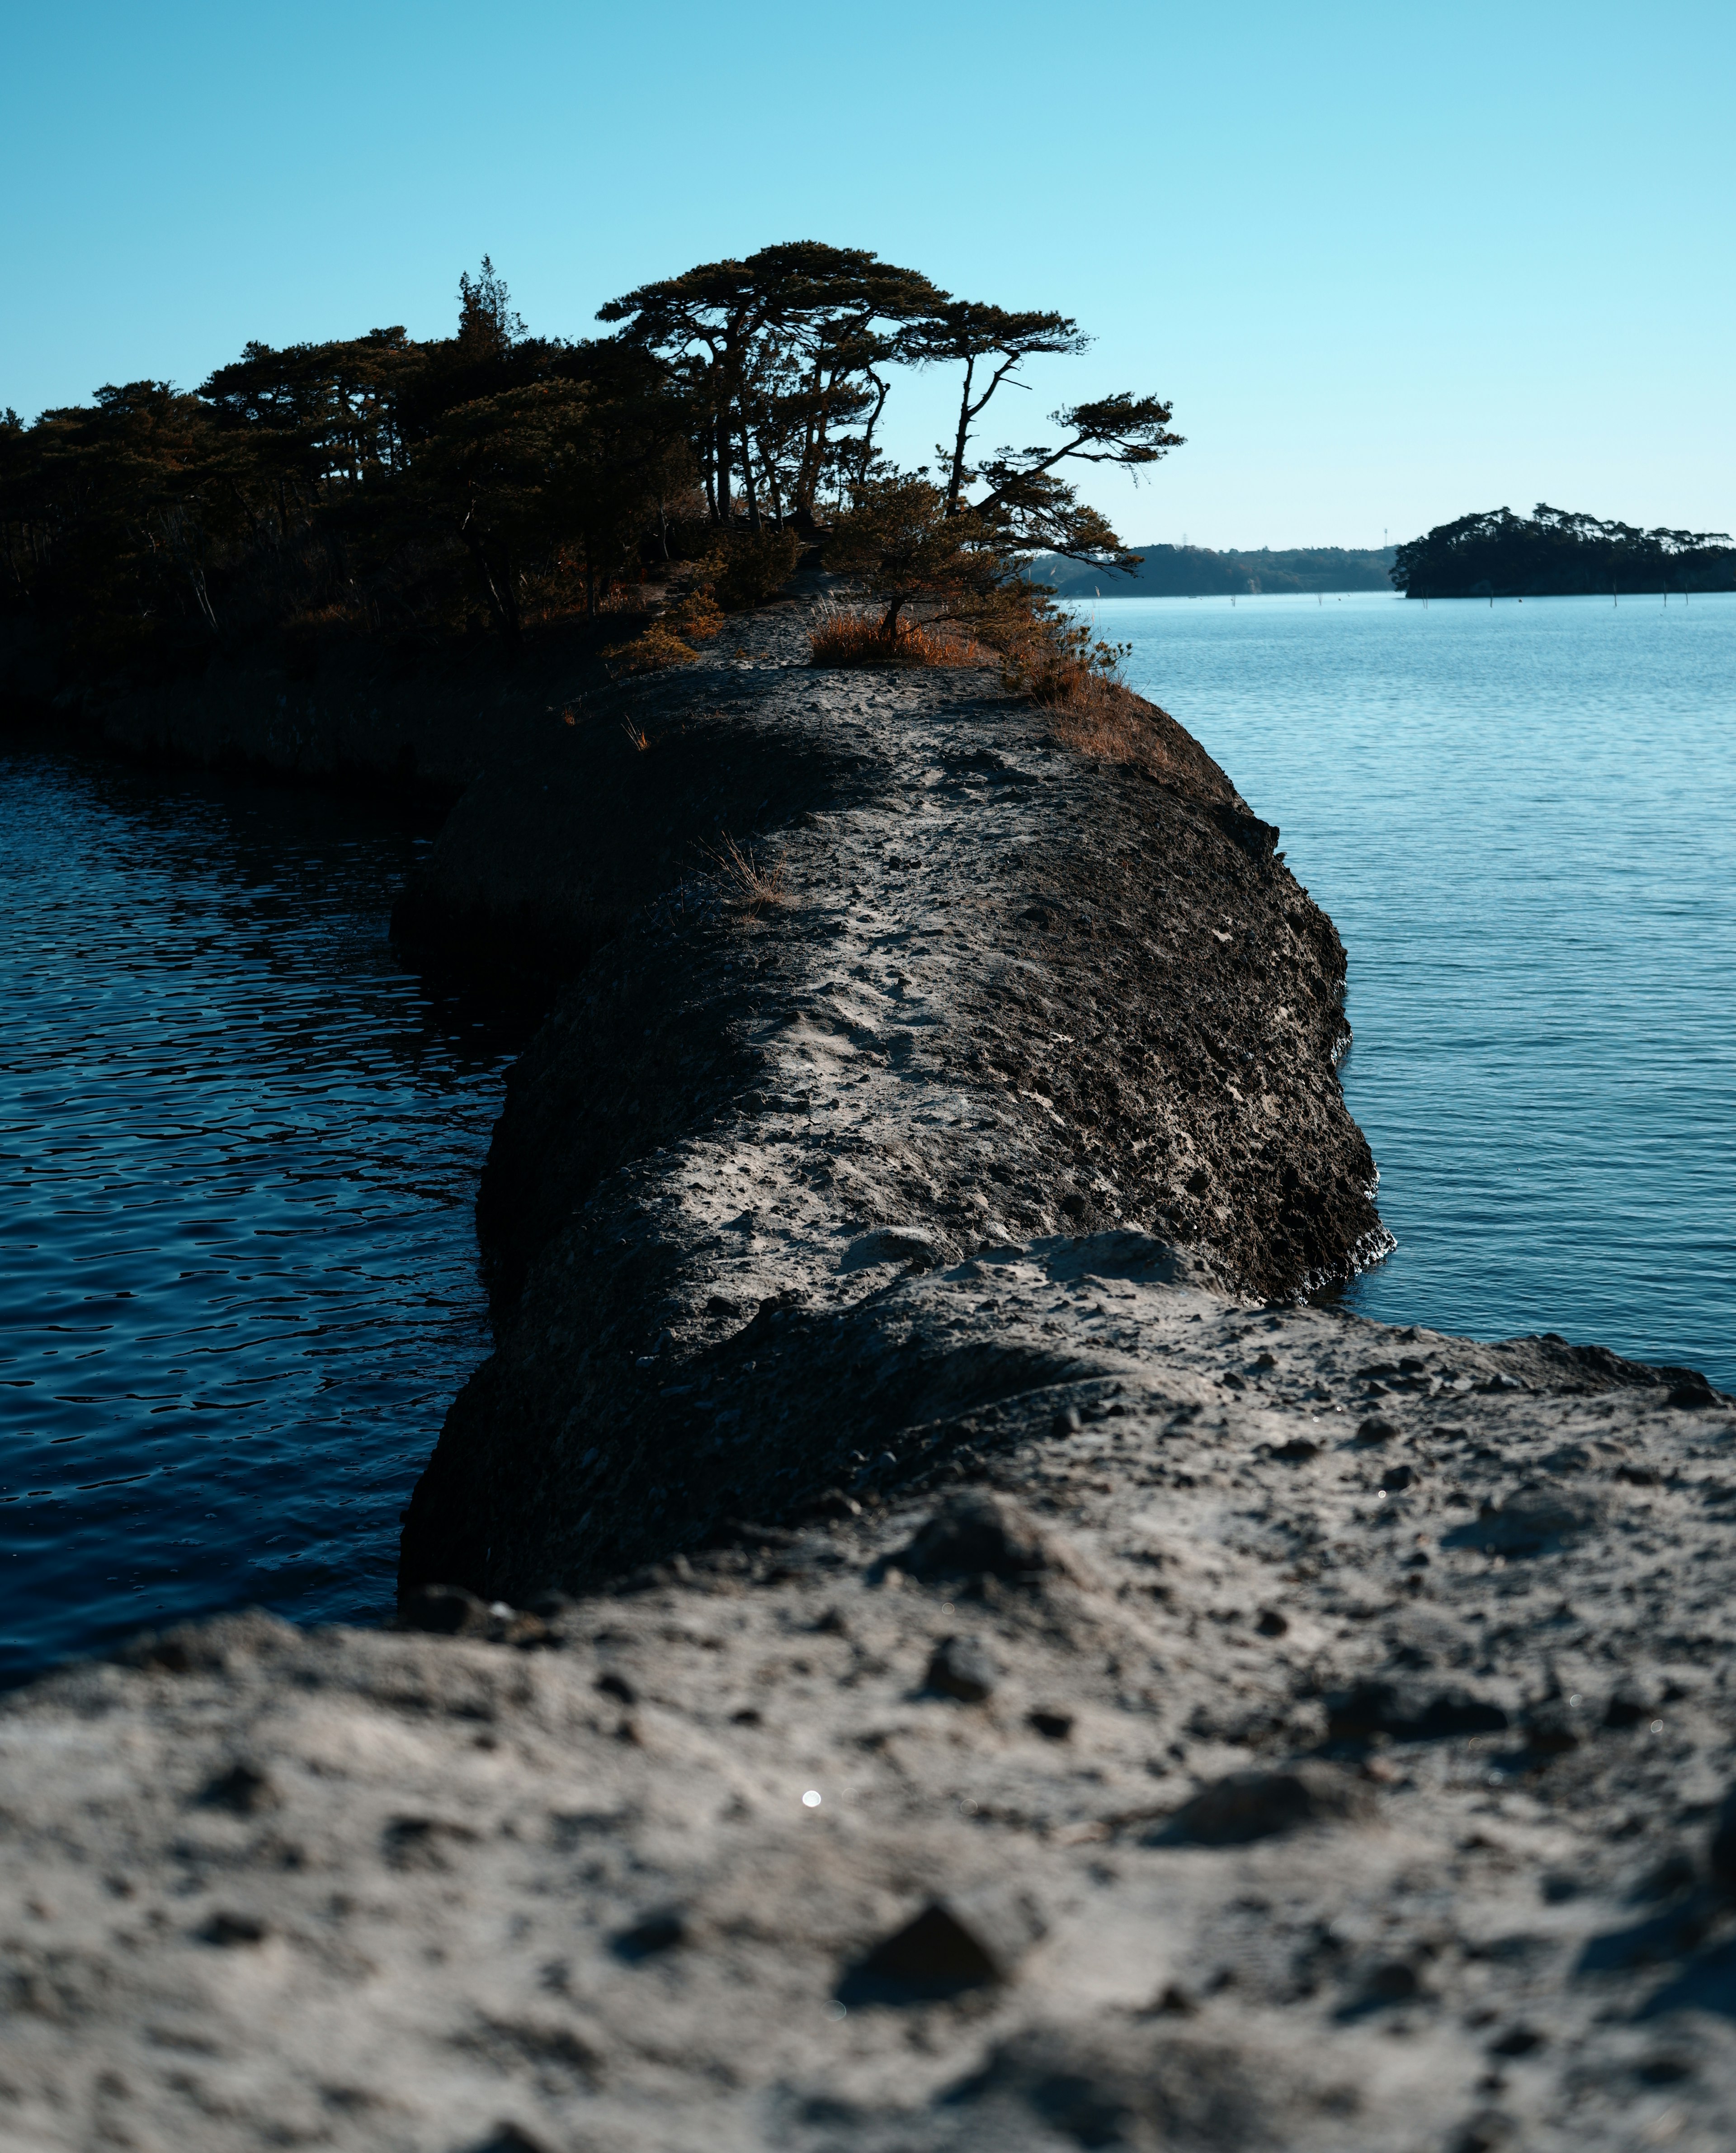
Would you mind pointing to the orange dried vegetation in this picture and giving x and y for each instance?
(652, 650)
(857, 639)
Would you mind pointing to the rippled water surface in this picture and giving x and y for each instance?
(239, 1147)
(1523, 819)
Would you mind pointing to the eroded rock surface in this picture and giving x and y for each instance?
(916, 1643)
(1293, 1815)
(1003, 993)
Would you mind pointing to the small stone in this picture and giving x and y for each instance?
(1397, 1477)
(1374, 1429)
(1393, 1982)
(1297, 1451)
(1552, 1727)
(444, 1610)
(1053, 1726)
(660, 1931)
(510, 2138)
(1408, 1714)
(619, 1687)
(960, 1667)
(1271, 1623)
(227, 1931)
(983, 1534)
(1692, 1395)
(243, 1788)
(1516, 2041)
(1173, 2001)
(964, 1942)
(1245, 1806)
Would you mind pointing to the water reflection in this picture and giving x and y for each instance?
(239, 1153)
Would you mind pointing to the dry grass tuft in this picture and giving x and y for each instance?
(698, 617)
(856, 639)
(652, 651)
(1093, 711)
(636, 738)
(746, 881)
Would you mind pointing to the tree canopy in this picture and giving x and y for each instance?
(495, 476)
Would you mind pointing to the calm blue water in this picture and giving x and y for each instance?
(1523, 819)
(239, 1147)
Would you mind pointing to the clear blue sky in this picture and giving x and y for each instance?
(1390, 263)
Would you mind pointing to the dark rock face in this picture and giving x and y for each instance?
(990, 996)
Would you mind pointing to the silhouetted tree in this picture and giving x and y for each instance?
(721, 314)
(990, 340)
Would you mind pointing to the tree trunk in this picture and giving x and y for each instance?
(883, 388)
(747, 484)
(720, 435)
(955, 484)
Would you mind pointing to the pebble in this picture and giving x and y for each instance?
(1244, 1806)
(962, 1942)
(960, 1667)
(980, 1535)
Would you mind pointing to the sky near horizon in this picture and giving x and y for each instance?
(1390, 266)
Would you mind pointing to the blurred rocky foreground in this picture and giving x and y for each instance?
(1070, 1693)
(1305, 1737)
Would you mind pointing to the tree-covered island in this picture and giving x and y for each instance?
(1553, 553)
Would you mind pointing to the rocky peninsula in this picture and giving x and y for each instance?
(926, 1632)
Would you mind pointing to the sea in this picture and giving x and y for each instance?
(239, 1148)
(1522, 815)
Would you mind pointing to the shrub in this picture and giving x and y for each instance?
(756, 565)
(651, 651)
(745, 880)
(697, 618)
(855, 638)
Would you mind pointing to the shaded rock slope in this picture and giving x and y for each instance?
(999, 992)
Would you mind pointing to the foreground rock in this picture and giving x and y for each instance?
(1291, 1816)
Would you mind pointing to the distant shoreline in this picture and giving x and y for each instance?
(1197, 572)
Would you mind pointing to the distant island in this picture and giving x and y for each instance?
(1196, 572)
(1556, 553)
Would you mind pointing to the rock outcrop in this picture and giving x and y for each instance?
(963, 990)
(918, 1641)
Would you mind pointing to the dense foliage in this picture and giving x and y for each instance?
(1553, 552)
(495, 479)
